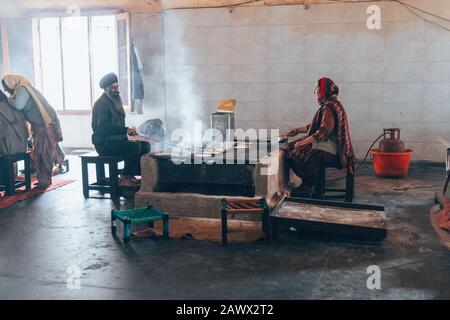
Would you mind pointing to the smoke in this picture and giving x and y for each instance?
(169, 84)
(146, 35)
(11, 9)
(20, 47)
(182, 100)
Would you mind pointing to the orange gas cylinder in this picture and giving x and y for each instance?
(392, 143)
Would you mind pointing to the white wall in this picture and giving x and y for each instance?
(269, 59)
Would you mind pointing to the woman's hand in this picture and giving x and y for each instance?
(305, 142)
(299, 144)
(297, 131)
(292, 133)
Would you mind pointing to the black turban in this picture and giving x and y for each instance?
(108, 80)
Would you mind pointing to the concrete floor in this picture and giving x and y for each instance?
(42, 237)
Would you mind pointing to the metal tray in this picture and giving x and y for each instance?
(347, 220)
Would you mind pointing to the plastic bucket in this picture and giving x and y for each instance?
(391, 164)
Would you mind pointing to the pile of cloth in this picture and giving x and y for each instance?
(444, 216)
(153, 128)
(151, 131)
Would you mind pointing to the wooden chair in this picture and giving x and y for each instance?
(322, 192)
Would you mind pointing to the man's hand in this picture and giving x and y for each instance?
(132, 132)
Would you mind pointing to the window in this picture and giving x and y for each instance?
(72, 54)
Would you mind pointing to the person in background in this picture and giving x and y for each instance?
(44, 122)
(14, 132)
(110, 134)
(327, 142)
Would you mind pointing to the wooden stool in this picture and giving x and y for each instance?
(103, 184)
(9, 183)
(348, 193)
(245, 207)
(129, 217)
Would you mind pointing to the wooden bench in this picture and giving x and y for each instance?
(129, 217)
(8, 181)
(109, 185)
(251, 206)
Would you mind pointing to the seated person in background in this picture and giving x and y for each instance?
(13, 131)
(58, 166)
(327, 142)
(44, 122)
(110, 133)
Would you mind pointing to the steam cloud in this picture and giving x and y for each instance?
(183, 102)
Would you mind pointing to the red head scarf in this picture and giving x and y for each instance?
(328, 90)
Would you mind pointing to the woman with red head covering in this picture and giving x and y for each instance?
(327, 142)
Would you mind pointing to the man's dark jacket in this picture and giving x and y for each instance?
(108, 122)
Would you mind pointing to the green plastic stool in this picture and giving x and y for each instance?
(129, 217)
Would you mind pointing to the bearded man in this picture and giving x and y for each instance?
(110, 136)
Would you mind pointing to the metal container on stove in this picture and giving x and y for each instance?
(223, 122)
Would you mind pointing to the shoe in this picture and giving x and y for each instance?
(127, 182)
(56, 170)
(302, 192)
(135, 180)
(43, 186)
